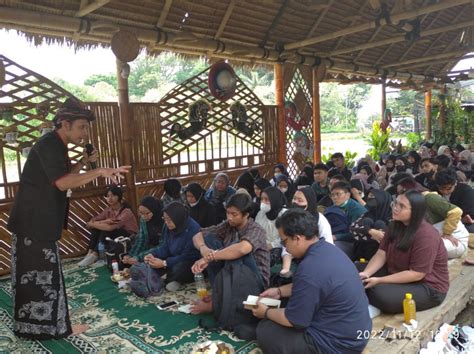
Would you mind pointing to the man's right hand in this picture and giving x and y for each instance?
(363, 275)
(199, 266)
(272, 293)
(114, 174)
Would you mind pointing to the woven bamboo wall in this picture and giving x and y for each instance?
(156, 156)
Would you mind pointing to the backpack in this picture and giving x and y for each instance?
(116, 249)
(145, 282)
(338, 220)
(232, 285)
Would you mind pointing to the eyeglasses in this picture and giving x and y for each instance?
(337, 195)
(399, 206)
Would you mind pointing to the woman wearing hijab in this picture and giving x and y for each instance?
(286, 186)
(368, 229)
(386, 170)
(414, 159)
(259, 186)
(272, 206)
(306, 199)
(306, 178)
(176, 255)
(365, 170)
(402, 165)
(172, 188)
(278, 171)
(218, 193)
(466, 161)
(149, 233)
(247, 179)
(199, 208)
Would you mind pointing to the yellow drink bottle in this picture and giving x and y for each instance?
(409, 308)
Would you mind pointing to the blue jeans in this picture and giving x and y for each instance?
(215, 243)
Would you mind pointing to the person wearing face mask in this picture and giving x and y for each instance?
(272, 205)
(305, 199)
(342, 214)
(306, 178)
(386, 170)
(176, 255)
(401, 165)
(199, 208)
(278, 171)
(284, 184)
(149, 233)
(428, 167)
(259, 186)
(368, 230)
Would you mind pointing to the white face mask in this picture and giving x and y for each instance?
(265, 207)
(283, 190)
(277, 174)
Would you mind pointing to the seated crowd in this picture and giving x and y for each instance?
(327, 244)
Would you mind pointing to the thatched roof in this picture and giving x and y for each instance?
(394, 38)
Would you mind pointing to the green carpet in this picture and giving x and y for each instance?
(119, 321)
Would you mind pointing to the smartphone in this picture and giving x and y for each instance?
(166, 305)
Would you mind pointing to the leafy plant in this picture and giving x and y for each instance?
(379, 141)
(349, 158)
(413, 140)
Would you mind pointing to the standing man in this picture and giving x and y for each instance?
(39, 212)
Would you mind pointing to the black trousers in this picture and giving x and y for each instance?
(389, 297)
(180, 272)
(273, 338)
(98, 236)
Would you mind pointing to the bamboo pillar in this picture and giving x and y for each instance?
(442, 109)
(384, 97)
(428, 114)
(125, 119)
(316, 118)
(280, 102)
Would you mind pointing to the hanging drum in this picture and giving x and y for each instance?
(222, 81)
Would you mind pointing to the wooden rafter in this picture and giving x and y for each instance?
(275, 21)
(448, 64)
(225, 19)
(446, 55)
(319, 19)
(398, 39)
(373, 24)
(353, 22)
(377, 62)
(87, 8)
(435, 62)
(164, 13)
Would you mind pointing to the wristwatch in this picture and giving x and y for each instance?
(165, 264)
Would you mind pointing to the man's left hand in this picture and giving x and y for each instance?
(155, 262)
(259, 311)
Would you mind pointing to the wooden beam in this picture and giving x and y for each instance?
(275, 21)
(316, 118)
(33, 21)
(353, 22)
(377, 62)
(442, 109)
(280, 103)
(428, 115)
(428, 58)
(225, 19)
(399, 39)
(431, 63)
(164, 13)
(372, 37)
(384, 96)
(89, 8)
(319, 19)
(373, 24)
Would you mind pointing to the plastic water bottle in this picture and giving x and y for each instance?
(201, 286)
(101, 249)
(115, 267)
(409, 308)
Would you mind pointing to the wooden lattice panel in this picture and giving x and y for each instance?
(299, 93)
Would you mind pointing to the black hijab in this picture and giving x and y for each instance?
(262, 184)
(247, 179)
(155, 224)
(380, 209)
(172, 187)
(312, 200)
(415, 166)
(179, 214)
(196, 190)
(291, 189)
(277, 202)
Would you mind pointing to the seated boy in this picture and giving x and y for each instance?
(239, 237)
(327, 308)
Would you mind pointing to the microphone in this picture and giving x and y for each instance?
(89, 150)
